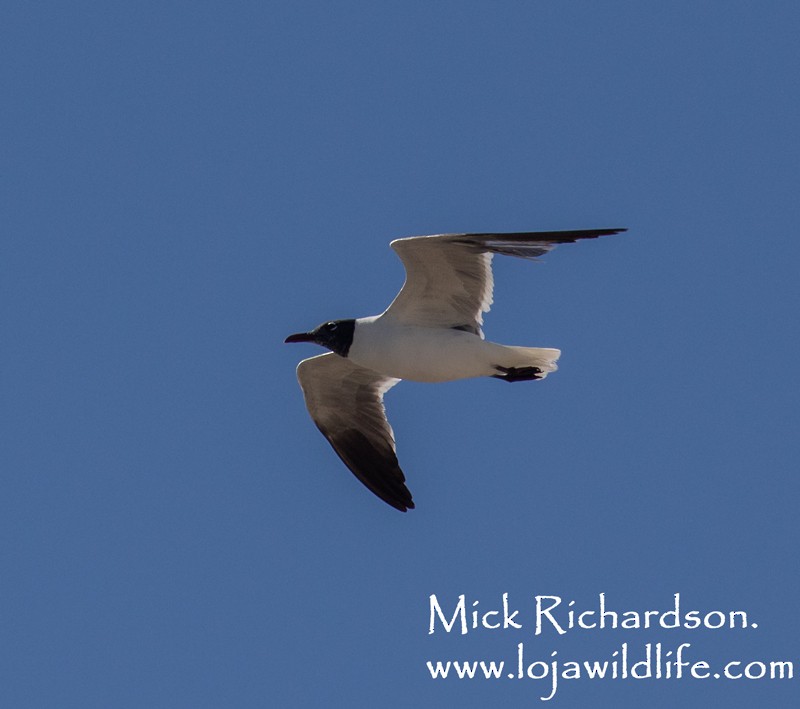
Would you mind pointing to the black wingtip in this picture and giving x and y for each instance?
(400, 506)
(573, 235)
(377, 468)
(401, 502)
(553, 237)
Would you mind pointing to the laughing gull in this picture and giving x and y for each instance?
(430, 333)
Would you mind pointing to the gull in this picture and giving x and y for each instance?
(431, 332)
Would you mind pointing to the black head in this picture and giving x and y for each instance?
(336, 335)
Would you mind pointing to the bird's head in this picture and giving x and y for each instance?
(336, 335)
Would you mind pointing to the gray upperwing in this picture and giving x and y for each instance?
(449, 280)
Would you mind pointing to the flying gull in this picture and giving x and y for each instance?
(431, 332)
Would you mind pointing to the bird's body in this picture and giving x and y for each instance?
(427, 354)
(431, 332)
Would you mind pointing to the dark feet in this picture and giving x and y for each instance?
(517, 374)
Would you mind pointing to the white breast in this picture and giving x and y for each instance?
(420, 354)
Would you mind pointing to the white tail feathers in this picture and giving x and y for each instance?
(541, 357)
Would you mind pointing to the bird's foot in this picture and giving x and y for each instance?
(517, 374)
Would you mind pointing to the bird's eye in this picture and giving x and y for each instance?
(332, 326)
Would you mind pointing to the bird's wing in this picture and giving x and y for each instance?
(346, 403)
(449, 276)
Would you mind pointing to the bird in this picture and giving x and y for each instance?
(431, 332)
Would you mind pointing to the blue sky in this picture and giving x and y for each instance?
(185, 184)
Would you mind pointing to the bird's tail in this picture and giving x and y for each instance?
(541, 357)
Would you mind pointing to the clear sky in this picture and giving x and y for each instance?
(186, 183)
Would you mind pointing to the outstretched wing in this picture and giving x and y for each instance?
(346, 403)
(449, 276)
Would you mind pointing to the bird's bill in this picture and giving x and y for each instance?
(300, 337)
